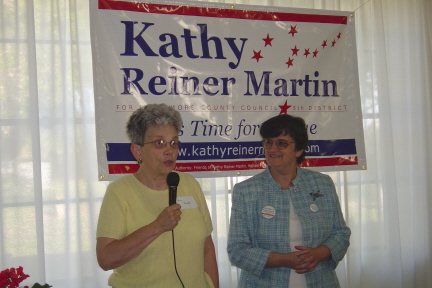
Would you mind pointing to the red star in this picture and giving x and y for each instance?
(295, 50)
(257, 55)
(268, 40)
(324, 44)
(284, 108)
(339, 35)
(315, 53)
(333, 43)
(293, 30)
(306, 52)
(290, 62)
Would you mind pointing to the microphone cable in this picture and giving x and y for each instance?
(173, 180)
(175, 262)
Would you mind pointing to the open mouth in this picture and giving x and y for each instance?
(274, 156)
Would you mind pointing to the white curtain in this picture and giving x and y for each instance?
(49, 191)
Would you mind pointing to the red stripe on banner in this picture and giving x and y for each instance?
(220, 166)
(236, 165)
(334, 161)
(122, 168)
(219, 12)
(195, 166)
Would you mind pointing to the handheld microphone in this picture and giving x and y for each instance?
(173, 180)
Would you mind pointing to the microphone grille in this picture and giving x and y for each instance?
(173, 179)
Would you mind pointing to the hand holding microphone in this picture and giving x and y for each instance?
(168, 219)
(171, 215)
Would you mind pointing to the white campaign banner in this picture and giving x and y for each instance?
(226, 69)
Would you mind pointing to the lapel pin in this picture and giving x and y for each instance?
(316, 195)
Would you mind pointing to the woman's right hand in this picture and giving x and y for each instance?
(112, 253)
(168, 219)
(293, 258)
(290, 260)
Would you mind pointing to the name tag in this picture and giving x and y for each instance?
(187, 202)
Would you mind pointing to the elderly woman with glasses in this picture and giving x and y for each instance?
(286, 228)
(136, 228)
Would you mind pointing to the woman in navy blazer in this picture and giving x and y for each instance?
(287, 228)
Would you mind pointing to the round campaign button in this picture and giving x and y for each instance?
(268, 212)
(314, 207)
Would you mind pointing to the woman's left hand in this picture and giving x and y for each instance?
(310, 260)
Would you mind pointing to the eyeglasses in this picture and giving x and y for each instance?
(162, 143)
(280, 143)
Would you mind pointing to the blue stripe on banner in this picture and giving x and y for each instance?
(236, 150)
(331, 147)
(119, 152)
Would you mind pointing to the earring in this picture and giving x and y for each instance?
(139, 161)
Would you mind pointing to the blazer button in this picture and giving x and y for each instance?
(306, 238)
